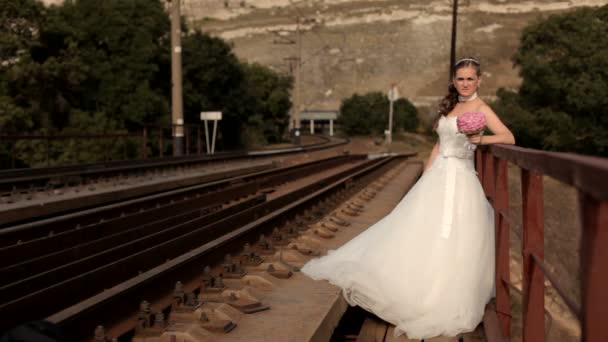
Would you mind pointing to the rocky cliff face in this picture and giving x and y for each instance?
(353, 46)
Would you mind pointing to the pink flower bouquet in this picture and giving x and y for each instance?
(471, 123)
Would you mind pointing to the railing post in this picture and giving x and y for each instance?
(187, 133)
(479, 163)
(160, 142)
(501, 215)
(13, 153)
(488, 175)
(144, 143)
(124, 148)
(75, 159)
(174, 139)
(533, 243)
(198, 140)
(594, 268)
(48, 152)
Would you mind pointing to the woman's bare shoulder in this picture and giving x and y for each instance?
(485, 109)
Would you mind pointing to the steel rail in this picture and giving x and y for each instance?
(68, 284)
(40, 210)
(23, 179)
(39, 255)
(10, 235)
(71, 232)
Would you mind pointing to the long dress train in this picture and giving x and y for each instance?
(428, 266)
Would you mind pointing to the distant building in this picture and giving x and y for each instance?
(319, 121)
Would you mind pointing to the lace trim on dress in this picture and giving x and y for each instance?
(462, 153)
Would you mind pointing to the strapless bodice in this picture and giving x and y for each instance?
(451, 142)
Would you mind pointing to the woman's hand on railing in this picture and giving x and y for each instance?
(505, 138)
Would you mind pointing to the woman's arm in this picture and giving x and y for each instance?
(434, 152)
(502, 134)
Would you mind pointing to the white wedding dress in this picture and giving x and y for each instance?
(428, 266)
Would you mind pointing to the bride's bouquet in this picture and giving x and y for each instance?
(471, 123)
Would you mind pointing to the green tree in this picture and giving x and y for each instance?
(563, 61)
(523, 123)
(368, 114)
(213, 81)
(101, 67)
(19, 24)
(88, 63)
(254, 100)
(99, 57)
(406, 115)
(12, 119)
(269, 102)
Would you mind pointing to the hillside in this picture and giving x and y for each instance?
(362, 45)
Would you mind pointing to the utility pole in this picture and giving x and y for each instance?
(392, 97)
(453, 46)
(295, 67)
(177, 107)
(292, 63)
(296, 102)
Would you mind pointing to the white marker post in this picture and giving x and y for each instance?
(215, 117)
(393, 95)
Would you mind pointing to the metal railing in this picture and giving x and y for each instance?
(150, 142)
(589, 175)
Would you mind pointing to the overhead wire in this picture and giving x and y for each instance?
(324, 43)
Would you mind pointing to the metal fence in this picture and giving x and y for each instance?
(44, 150)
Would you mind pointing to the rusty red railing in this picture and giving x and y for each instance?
(589, 175)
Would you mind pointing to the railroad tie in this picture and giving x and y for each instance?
(278, 273)
(244, 304)
(324, 233)
(307, 251)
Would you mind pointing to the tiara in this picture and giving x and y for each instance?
(467, 59)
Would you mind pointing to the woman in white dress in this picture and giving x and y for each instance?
(428, 266)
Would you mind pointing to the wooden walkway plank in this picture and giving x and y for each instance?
(475, 336)
(390, 337)
(373, 330)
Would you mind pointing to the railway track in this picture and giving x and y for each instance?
(19, 207)
(234, 184)
(95, 267)
(24, 183)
